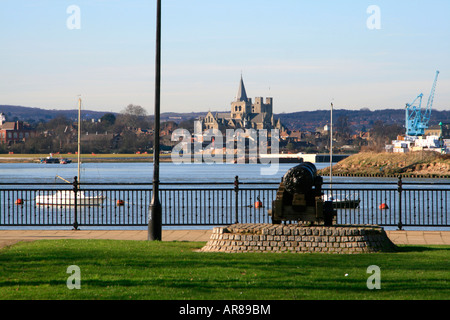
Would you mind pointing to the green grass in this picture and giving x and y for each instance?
(175, 271)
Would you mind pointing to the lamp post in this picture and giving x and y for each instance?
(155, 210)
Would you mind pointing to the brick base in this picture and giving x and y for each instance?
(299, 238)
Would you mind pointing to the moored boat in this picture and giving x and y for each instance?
(50, 160)
(67, 198)
(65, 161)
(345, 203)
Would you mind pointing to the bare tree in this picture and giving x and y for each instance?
(343, 131)
(382, 133)
(133, 116)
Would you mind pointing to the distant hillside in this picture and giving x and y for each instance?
(358, 119)
(31, 115)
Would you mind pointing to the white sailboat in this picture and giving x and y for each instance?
(346, 203)
(68, 197)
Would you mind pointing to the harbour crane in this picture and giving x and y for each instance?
(416, 120)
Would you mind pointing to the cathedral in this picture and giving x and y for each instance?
(244, 114)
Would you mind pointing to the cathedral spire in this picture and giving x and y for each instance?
(242, 94)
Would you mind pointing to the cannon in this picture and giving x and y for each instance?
(299, 197)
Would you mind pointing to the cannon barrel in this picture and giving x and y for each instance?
(299, 197)
(300, 179)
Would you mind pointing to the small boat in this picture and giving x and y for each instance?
(67, 198)
(65, 161)
(50, 160)
(345, 203)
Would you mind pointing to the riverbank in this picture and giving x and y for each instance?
(36, 158)
(411, 165)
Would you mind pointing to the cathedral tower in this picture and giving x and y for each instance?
(242, 105)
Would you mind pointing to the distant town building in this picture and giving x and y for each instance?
(14, 132)
(295, 136)
(244, 114)
(436, 138)
(439, 129)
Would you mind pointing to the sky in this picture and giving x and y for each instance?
(304, 54)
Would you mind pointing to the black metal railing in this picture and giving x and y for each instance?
(417, 204)
(397, 204)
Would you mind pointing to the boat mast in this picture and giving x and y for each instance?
(331, 146)
(79, 137)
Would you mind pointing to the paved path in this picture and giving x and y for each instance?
(9, 237)
(420, 237)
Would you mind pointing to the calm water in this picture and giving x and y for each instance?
(138, 172)
(143, 173)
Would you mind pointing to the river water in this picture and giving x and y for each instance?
(141, 172)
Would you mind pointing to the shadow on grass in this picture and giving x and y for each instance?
(150, 269)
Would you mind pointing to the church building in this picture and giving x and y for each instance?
(245, 114)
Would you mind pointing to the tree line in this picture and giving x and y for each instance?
(131, 131)
(111, 134)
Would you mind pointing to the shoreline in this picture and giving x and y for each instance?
(427, 165)
(85, 158)
(359, 165)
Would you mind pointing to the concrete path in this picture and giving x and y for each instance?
(9, 237)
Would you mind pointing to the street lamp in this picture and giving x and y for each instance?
(155, 210)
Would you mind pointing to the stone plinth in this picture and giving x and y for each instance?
(299, 238)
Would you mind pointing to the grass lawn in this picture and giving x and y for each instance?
(175, 271)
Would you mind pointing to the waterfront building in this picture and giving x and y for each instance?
(436, 139)
(14, 132)
(438, 130)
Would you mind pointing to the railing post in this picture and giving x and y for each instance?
(400, 189)
(75, 192)
(236, 191)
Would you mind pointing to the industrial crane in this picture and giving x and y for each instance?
(416, 120)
